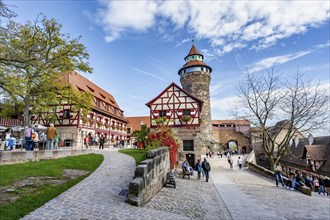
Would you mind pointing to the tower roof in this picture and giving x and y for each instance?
(194, 51)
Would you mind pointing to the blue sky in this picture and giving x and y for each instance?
(137, 47)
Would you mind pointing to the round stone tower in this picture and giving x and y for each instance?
(195, 78)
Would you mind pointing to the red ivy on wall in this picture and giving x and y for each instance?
(164, 135)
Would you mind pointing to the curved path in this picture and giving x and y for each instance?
(230, 194)
(97, 196)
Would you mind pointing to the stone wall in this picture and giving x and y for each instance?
(189, 133)
(224, 136)
(149, 177)
(198, 83)
(11, 157)
(251, 163)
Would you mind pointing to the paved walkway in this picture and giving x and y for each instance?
(248, 195)
(230, 194)
(97, 196)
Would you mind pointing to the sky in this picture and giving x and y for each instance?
(137, 47)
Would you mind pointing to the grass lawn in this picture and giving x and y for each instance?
(138, 154)
(32, 197)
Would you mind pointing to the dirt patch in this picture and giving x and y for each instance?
(10, 194)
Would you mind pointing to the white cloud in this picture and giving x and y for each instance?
(228, 25)
(119, 16)
(271, 61)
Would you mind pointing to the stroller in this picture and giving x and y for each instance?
(170, 178)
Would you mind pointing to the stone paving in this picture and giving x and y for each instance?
(97, 196)
(248, 195)
(230, 194)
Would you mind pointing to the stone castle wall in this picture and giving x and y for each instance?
(11, 157)
(150, 176)
(198, 83)
(189, 133)
(224, 136)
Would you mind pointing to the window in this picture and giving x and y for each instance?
(66, 114)
(186, 112)
(97, 101)
(107, 107)
(188, 145)
(162, 113)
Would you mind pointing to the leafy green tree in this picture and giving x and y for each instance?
(142, 135)
(33, 58)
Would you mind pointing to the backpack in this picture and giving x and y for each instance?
(33, 136)
(28, 132)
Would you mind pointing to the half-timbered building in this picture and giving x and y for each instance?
(180, 110)
(106, 117)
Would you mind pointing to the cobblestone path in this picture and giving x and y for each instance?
(97, 196)
(230, 194)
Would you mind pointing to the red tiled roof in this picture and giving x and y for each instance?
(80, 83)
(193, 51)
(135, 122)
(235, 122)
(195, 63)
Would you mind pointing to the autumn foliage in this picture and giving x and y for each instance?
(163, 136)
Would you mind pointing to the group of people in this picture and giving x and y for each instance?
(203, 168)
(89, 140)
(32, 138)
(297, 179)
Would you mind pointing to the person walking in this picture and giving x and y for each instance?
(102, 140)
(278, 174)
(207, 168)
(199, 169)
(51, 133)
(239, 162)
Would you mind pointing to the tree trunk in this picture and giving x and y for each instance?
(271, 162)
(26, 114)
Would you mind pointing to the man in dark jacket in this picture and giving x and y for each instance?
(207, 168)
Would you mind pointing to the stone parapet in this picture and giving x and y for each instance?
(149, 177)
(12, 157)
(250, 161)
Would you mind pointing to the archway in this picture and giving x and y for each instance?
(232, 145)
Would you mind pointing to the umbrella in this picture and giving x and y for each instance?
(17, 128)
(39, 127)
(2, 128)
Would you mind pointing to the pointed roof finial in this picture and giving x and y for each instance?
(193, 40)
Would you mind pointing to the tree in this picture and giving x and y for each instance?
(32, 59)
(266, 97)
(142, 135)
(5, 12)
